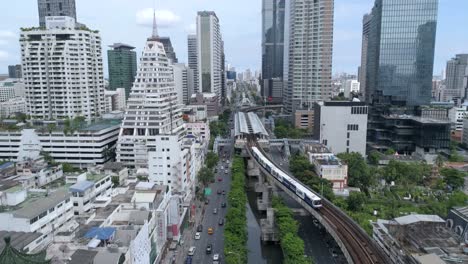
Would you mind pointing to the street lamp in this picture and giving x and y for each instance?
(237, 254)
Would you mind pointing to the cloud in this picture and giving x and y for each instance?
(3, 55)
(164, 18)
(192, 28)
(6, 34)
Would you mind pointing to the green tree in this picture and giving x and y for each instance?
(453, 177)
(51, 127)
(374, 157)
(205, 175)
(211, 160)
(358, 171)
(390, 151)
(356, 201)
(67, 168)
(115, 180)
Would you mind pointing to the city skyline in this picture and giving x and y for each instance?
(176, 22)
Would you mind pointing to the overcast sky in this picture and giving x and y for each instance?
(129, 21)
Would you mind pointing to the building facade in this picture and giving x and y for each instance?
(14, 71)
(55, 8)
(351, 87)
(456, 72)
(170, 52)
(183, 82)
(122, 66)
(153, 112)
(272, 47)
(310, 53)
(68, 80)
(193, 59)
(341, 126)
(115, 100)
(400, 52)
(209, 53)
(365, 40)
(208, 99)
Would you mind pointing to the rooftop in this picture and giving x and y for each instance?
(81, 186)
(117, 46)
(415, 218)
(94, 177)
(82, 256)
(38, 203)
(18, 239)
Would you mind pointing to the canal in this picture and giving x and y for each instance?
(318, 244)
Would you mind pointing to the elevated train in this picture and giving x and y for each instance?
(296, 187)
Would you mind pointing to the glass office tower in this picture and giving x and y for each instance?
(400, 55)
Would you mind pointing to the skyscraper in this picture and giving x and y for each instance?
(55, 8)
(457, 69)
(365, 39)
(122, 67)
(310, 53)
(14, 71)
(209, 46)
(400, 53)
(170, 53)
(153, 113)
(63, 79)
(193, 59)
(272, 47)
(183, 82)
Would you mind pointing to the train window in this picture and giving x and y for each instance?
(299, 192)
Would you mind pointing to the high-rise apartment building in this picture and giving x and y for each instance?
(310, 53)
(272, 48)
(456, 71)
(55, 8)
(170, 53)
(209, 46)
(62, 70)
(183, 82)
(122, 64)
(193, 59)
(14, 71)
(365, 40)
(153, 113)
(400, 52)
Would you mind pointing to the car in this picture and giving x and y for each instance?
(222, 167)
(215, 210)
(207, 201)
(220, 179)
(219, 191)
(216, 257)
(197, 235)
(200, 228)
(209, 248)
(189, 260)
(224, 160)
(226, 171)
(223, 205)
(210, 230)
(227, 161)
(221, 221)
(224, 192)
(191, 251)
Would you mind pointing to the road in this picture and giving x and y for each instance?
(209, 219)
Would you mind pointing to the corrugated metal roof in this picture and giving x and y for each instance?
(241, 124)
(81, 186)
(37, 207)
(257, 125)
(414, 218)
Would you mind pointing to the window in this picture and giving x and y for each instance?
(348, 135)
(347, 143)
(353, 127)
(75, 204)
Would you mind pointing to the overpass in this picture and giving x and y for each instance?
(256, 108)
(357, 246)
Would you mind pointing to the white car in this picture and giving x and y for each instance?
(191, 251)
(216, 257)
(222, 168)
(197, 235)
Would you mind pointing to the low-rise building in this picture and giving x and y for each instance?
(327, 165)
(115, 100)
(457, 115)
(195, 113)
(87, 146)
(13, 106)
(45, 212)
(200, 130)
(210, 100)
(37, 173)
(11, 88)
(304, 119)
(419, 239)
(85, 193)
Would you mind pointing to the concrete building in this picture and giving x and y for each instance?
(13, 106)
(434, 112)
(389, 79)
(11, 88)
(66, 90)
(183, 82)
(170, 53)
(457, 115)
(456, 71)
(14, 71)
(273, 49)
(193, 60)
(96, 188)
(310, 54)
(457, 220)
(36, 173)
(304, 119)
(115, 100)
(327, 165)
(195, 113)
(55, 8)
(208, 99)
(209, 53)
(198, 129)
(341, 126)
(351, 87)
(122, 64)
(365, 40)
(41, 212)
(153, 112)
(465, 132)
(418, 239)
(87, 146)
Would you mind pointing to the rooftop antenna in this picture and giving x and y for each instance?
(154, 35)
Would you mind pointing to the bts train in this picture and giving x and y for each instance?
(306, 195)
